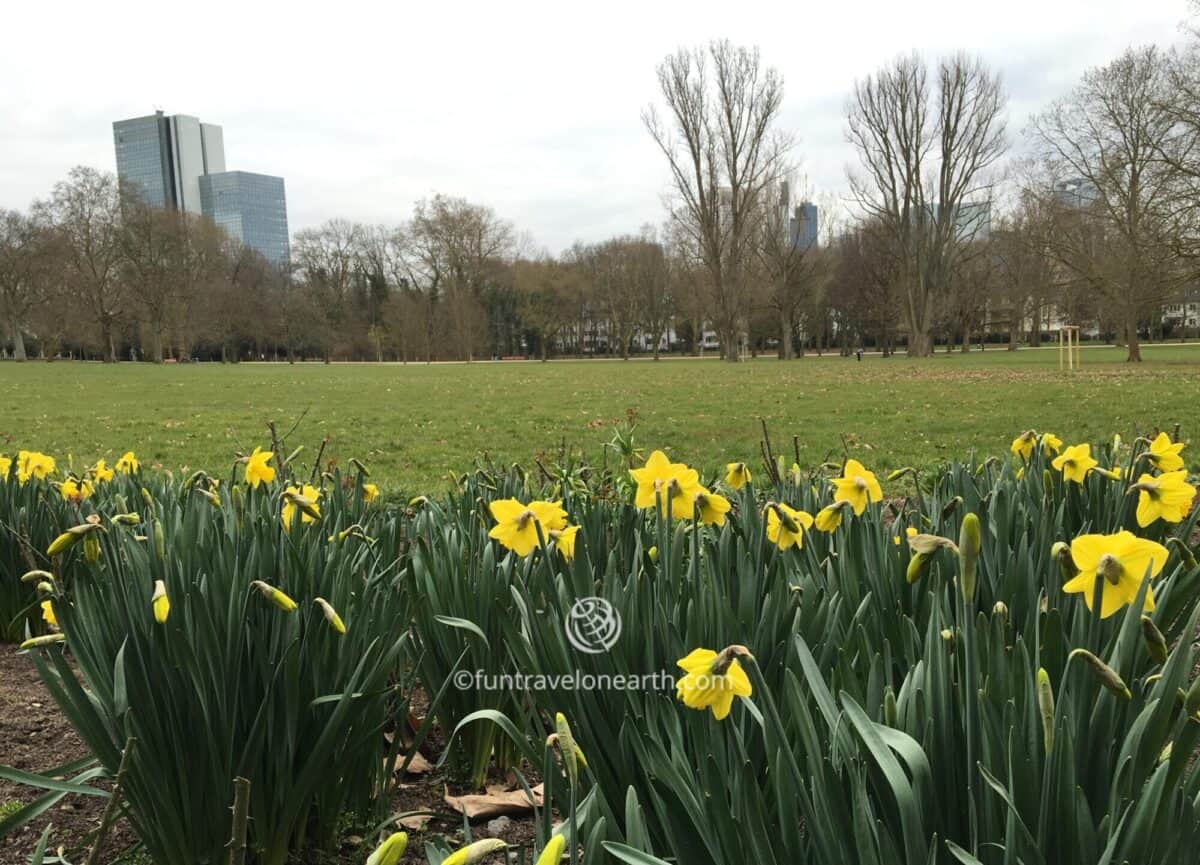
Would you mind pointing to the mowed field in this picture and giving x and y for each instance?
(412, 424)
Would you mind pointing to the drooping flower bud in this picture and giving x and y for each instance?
(1156, 643)
(160, 602)
(1107, 676)
(331, 615)
(275, 596)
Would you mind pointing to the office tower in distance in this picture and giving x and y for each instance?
(804, 225)
(165, 156)
(176, 162)
(251, 207)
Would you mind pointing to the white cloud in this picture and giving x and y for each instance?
(365, 108)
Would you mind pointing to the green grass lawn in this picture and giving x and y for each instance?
(412, 424)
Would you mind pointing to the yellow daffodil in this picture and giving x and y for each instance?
(1164, 454)
(1051, 443)
(33, 464)
(473, 853)
(48, 614)
(391, 851)
(1167, 497)
(331, 615)
(564, 541)
(786, 525)
(5, 466)
(1121, 562)
(1075, 462)
(673, 484)
(160, 602)
(517, 524)
(830, 517)
(370, 492)
(737, 475)
(303, 500)
(75, 490)
(128, 463)
(1022, 445)
(711, 507)
(101, 472)
(258, 470)
(712, 680)
(856, 486)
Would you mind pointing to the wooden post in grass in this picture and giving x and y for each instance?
(110, 809)
(241, 815)
(1068, 339)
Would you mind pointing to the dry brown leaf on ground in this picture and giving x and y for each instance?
(417, 766)
(415, 822)
(496, 802)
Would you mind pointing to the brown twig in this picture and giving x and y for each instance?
(317, 462)
(241, 818)
(110, 809)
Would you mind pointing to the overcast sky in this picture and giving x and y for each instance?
(531, 108)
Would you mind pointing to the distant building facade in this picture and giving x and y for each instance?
(251, 208)
(177, 162)
(164, 157)
(804, 225)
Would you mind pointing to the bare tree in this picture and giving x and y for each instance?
(792, 263)
(925, 154)
(720, 139)
(86, 211)
(29, 254)
(1109, 135)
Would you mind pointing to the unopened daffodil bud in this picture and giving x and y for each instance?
(275, 596)
(130, 519)
(552, 853)
(1156, 643)
(1045, 695)
(36, 576)
(331, 615)
(1107, 676)
(473, 853)
(1185, 552)
(42, 641)
(566, 744)
(969, 545)
(160, 602)
(391, 851)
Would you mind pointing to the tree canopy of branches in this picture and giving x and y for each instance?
(720, 137)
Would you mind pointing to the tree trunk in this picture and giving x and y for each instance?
(18, 340)
(919, 344)
(109, 341)
(1135, 349)
(156, 345)
(786, 351)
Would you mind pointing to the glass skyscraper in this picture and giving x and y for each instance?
(164, 157)
(251, 208)
(175, 161)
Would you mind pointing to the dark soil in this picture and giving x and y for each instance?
(34, 737)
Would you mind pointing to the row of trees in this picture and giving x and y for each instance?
(1093, 221)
